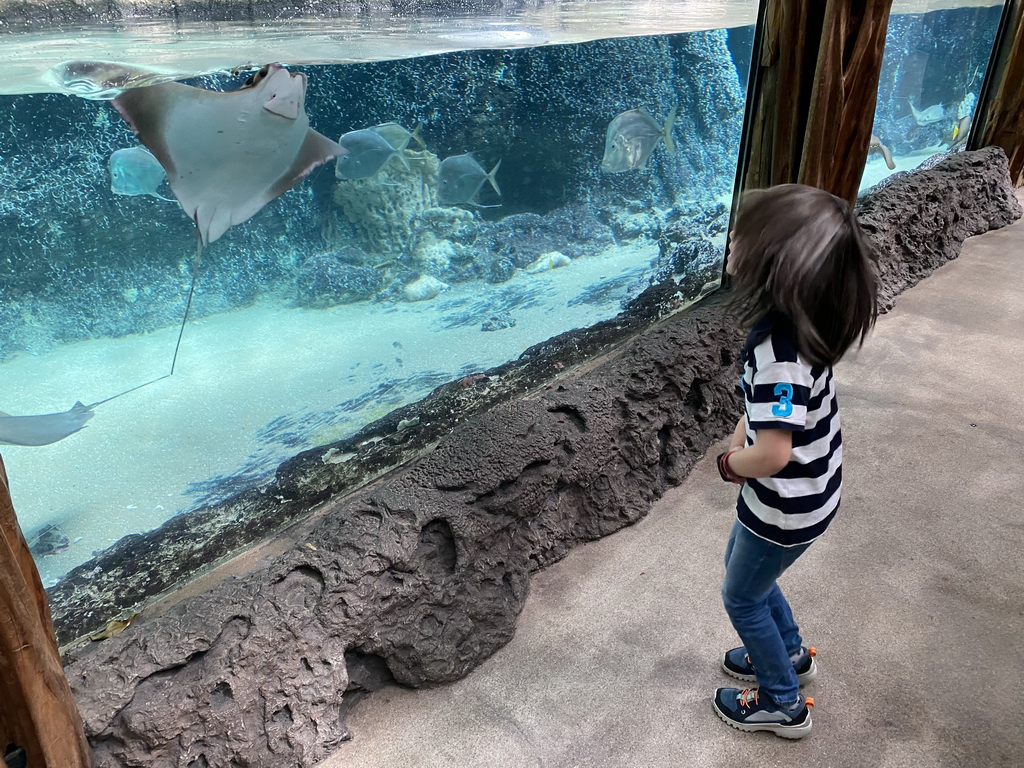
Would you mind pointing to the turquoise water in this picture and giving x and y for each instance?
(932, 74)
(343, 298)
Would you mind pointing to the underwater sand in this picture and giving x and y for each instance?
(256, 386)
(875, 169)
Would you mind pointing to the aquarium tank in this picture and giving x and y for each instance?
(228, 243)
(934, 64)
(209, 265)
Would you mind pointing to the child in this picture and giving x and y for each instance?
(803, 279)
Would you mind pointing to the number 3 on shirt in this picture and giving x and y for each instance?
(784, 407)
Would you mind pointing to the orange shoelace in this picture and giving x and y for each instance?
(748, 694)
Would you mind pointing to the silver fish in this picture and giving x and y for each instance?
(397, 136)
(45, 429)
(460, 178)
(135, 171)
(368, 151)
(632, 137)
(933, 114)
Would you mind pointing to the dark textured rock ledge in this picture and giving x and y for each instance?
(419, 577)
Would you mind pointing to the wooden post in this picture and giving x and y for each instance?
(1002, 107)
(819, 66)
(785, 69)
(37, 710)
(843, 97)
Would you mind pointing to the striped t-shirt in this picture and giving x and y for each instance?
(782, 391)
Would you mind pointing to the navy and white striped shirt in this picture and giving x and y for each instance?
(782, 391)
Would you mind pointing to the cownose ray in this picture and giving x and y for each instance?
(227, 154)
(48, 428)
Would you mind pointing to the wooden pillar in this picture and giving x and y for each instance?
(843, 96)
(1002, 107)
(781, 92)
(819, 67)
(37, 710)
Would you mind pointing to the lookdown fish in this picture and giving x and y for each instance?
(632, 136)
(397, 136)
(368, 151)
(135, 171)
(460, 178)
(933, 114)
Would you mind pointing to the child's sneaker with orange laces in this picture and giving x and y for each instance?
(736, 663)
(746, 711)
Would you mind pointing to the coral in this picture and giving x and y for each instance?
(385, 209)
(432, 254)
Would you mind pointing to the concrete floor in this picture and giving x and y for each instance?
(914, 598)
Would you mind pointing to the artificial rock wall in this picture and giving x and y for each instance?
(419, 577)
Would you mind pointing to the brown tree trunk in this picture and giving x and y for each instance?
(37, 710)
(819, 69)
(1003, 113)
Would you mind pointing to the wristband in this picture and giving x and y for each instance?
(725, 471)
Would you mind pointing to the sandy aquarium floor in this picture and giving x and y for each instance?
(257, 386)
(875, 169)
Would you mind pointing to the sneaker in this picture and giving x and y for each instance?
(736, 663)
(744, 711)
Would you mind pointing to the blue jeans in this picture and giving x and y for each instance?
(758, 611)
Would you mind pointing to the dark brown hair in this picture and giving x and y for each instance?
(799, 250)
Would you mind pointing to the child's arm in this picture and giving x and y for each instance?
(739, 435)
(770, 453)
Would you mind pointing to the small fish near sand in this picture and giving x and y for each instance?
(135, 171)
(460, 178)
(631, 138)
(368, 151)
(50, 539)
(933, 114)
(44, 429)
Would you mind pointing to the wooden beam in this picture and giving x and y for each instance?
(1002, 110)
(38, 712)
(819, 67)
(845, 90)
(789, 44)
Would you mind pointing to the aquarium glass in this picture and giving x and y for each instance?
(346, 296)
(936, 54)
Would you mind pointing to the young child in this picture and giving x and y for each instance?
(804, 281)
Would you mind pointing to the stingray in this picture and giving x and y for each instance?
(50, 427)
(228, 154)
(45, 429)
